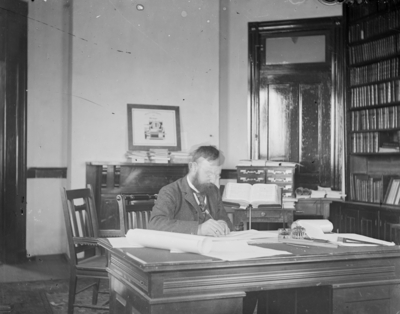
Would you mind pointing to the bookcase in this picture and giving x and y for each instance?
(373, 100)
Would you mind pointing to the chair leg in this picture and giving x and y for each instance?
(95, 295)
(72, 292)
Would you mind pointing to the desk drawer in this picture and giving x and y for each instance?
(250, 175)
(251, 180)
(280, 179)
(258, 172)
(265, 213)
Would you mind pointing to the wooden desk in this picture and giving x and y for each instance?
(264, 215)
(152, 281)
(313, 207)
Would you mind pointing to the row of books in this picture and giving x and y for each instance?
(374, 26)
(379, 71)
(375, 188)
(377, 118)
(157, 155)
(375, 94)
(393, 192)
(376, 49)
(357, 11)
(371, 142)
(366, 188)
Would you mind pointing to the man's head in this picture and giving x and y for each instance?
(204, 168)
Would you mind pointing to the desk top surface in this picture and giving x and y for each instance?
(150, 259)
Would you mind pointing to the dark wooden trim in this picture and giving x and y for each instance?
(36, 173)
(13, 132)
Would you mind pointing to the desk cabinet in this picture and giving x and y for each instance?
(314, 207)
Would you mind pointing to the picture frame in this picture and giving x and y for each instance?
(153, 126)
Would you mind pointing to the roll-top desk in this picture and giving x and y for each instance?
(108, 179)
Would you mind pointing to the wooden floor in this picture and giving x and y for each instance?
(36, 269)
(40, 286)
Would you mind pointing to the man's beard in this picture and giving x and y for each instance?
(199, 186)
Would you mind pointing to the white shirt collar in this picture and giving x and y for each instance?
(194, 189)
(191, 185)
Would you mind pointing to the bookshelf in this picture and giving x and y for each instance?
(373, 99)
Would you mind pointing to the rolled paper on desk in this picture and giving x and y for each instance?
(170, 241)
(314, 228)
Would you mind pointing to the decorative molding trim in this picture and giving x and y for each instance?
(41, 173)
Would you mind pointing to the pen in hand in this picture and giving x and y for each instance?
(208, 213)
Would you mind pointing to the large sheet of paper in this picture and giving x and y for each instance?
(170, 241)
(230, 248)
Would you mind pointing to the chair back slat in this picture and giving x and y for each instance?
(80, 219)
(136, 213)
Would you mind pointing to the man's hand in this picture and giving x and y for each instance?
(213, 228)
(225, 226)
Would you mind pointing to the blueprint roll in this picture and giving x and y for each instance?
(314, 228)
(176, 242)
(323, 224)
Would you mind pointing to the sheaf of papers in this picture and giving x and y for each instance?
(232, 247)
(322, 228)
(335, 237)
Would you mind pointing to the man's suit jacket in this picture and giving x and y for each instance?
(176, 209)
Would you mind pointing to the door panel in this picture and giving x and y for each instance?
(309, 100)
(296, 124)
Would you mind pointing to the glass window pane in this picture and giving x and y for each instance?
(301, 49)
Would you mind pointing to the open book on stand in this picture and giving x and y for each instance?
(256, 195)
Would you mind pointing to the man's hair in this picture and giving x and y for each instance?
(207, 152)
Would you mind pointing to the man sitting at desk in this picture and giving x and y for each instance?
(180, 208)
(193, 203)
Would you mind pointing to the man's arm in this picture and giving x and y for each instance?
(167, 210)
(221, 214)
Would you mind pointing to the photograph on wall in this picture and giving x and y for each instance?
(153, 126)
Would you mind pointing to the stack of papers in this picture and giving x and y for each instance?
(332, 194)
(318, 193)
(180, 157)
(159, 155)
(137, 156)
(289, 202)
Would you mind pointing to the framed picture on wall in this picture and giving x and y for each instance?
(153, 126)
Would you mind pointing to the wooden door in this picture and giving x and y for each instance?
(296, 97)
(296, 109)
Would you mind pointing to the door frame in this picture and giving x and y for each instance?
(332, 25)
(13, 130)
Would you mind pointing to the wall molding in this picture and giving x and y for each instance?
(41, 173)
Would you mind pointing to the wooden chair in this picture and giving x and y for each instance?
(134, 210)
(82, 232)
